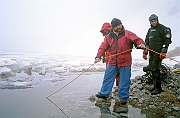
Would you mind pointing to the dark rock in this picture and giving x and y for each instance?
(166, 104)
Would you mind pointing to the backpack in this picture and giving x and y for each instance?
(165, 73)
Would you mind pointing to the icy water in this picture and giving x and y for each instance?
(72, 100)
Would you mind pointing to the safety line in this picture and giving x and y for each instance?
(58, 107)
(70, 81)
(163, 55)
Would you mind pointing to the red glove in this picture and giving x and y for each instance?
(162, 55)
(144, 56)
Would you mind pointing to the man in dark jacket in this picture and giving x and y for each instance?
(158, 39)
(118, 42)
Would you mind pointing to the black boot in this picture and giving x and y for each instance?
(158, 88)
(151, 89)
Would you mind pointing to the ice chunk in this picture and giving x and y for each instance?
(42, 72)
(21, 84)
(58, 70)
(6, 72)
(39, 68)
(6, 62)
(25, 65)
(16, 85)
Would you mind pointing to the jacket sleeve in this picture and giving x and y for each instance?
(147, 38)
(103, 47)
(167, 39)
(134, 38)
(147, 42)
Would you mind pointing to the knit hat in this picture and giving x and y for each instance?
(115, 22)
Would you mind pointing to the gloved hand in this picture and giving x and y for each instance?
(97, 60)
(141, 46)
(146, 50)
(162, 55)
(144, 56)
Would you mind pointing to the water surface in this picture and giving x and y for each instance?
(73, 99)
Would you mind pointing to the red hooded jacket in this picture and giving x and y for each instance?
(106, 26)
(119, 44)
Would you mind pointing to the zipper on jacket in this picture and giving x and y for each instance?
(116, 48)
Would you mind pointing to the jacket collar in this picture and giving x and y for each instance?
(157, 25)
(113, 35)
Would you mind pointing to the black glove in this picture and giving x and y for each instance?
(164, 50)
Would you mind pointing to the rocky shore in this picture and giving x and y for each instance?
(163, 105)
(166, 104)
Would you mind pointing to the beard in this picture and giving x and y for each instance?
(118, 30)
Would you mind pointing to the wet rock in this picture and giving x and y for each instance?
(152, 106)
(106, 116)
(118, 108)
(178, 98)
(92, 98)
(139, 86)
(166, 104)
(138, 78)
(178, 91)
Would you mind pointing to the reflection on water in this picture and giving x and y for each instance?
(104, 106)
(118, 111)
(73, 100)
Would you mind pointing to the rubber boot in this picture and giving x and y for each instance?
(158, 88)
(152, 88)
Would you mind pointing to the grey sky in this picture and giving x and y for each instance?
(71, 27)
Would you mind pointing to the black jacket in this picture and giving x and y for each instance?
(158, 38)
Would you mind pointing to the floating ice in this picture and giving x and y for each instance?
(12, 64)
(6, 72)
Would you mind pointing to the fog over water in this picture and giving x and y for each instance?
(72, 27)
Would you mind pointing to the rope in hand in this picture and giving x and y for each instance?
(163, 55)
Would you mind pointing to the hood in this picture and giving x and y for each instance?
(106, 26)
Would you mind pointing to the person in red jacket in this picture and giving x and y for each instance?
(118, 43)
(105, 30)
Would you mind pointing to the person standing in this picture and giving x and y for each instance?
(118, 43)
(105, 30)
(158, 39)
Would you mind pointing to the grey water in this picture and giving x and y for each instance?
(72, 100)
